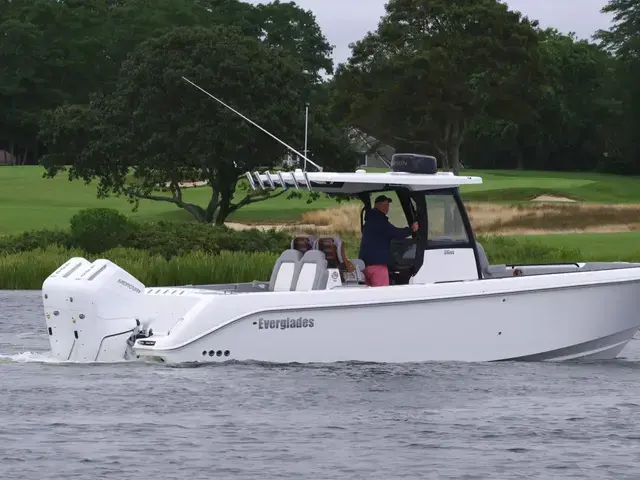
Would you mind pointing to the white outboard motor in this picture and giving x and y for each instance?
(91, 311)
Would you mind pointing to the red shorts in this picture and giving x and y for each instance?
(376, 275)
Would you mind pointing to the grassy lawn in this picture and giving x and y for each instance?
(27, 201)
(624, 246)
(516, 186)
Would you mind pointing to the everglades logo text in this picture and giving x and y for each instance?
(284, 323)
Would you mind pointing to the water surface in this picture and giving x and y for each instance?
(345, 421)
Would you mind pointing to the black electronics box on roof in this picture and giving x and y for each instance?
(414, 163)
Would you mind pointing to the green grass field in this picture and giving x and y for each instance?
(623, 246)
(517, 186)
(28, 201)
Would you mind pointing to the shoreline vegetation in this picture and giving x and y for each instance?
(27, 270)
(162, 252)
(560, 220)
(558, 157)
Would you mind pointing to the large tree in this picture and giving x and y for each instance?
(46, 48)
(156, 129)
(623, 41)
(432, 67)
(568, 125)
(54, 52)
(287, 26)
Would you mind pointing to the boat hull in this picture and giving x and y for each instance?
(504, 321)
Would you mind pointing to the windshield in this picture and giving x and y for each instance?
(445, 220)
(396, 214)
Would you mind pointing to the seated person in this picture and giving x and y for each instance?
(375, 247)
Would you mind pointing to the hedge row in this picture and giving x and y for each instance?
(100, 229)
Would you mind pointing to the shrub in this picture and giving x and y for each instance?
(175, 239)
(32, 240)
(97, 230)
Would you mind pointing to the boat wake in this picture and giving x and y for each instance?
(46, 358)
(29, 357)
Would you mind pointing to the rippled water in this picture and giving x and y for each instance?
(250, 421)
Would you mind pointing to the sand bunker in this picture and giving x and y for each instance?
(283, 226)
(189, 184)
(552, 198)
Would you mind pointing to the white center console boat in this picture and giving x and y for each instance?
(445, 301)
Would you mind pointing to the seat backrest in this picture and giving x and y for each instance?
(484, 261)
(312, 272)
(303, 243)
(335, 253)
(284, 271)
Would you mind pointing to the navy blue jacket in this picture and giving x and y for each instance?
(377, 233)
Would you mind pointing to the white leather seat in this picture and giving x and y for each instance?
(284, 271)
(312, 273)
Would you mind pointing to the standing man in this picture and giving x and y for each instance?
(375, 248)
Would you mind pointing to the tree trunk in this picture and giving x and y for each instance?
(225, 206)
(453, 136)
(214, 203)
(445, 159)
(519, 158)
(454, 155)
(519, 149)
(197, 212)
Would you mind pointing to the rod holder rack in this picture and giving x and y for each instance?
(281, 179)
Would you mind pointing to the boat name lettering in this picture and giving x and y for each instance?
(449, 252)
(128, 285)
(285, 323)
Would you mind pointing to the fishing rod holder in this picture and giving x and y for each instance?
(258, 183)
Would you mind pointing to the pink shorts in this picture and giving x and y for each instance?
(376, 275)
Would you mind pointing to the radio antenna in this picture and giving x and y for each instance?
(254, 123)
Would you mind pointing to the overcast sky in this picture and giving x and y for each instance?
(345, 21)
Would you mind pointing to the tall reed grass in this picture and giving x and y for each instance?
(511, 251)
(27, 270)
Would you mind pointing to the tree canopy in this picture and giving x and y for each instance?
(56, 52)
(156, 129)
(96, 86)
(99, 90)
(432, 67)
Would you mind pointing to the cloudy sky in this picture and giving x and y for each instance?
(345, 21)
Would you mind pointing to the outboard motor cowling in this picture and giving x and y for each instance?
(91, 310)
